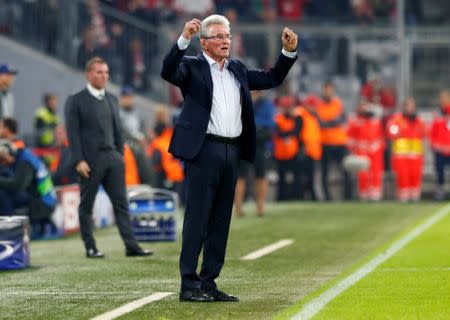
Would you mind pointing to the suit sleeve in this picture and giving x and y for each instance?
(173, 69)
(118, 133)
(72, 118)
(262, 79)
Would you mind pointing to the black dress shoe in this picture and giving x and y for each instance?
(220, 296)
(196, 295)
(138, 253)
(94, 253)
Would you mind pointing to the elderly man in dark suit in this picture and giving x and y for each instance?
(215, 129)
(96, 145)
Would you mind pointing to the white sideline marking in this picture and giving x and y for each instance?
(132, 306)
(268, 249)
(314, 306)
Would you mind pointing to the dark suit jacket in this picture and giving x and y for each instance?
(84, 128)
(193, 76)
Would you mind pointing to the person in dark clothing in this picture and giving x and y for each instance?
(29, 186)
(64, 173)
(88, 48)
(96, 145)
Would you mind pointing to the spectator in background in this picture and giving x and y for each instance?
(237, 50)
(50, 28)
(264, 120)
(366, 139)
(169, 170)
(63, 170)
(291, 10)
(88, 48)
(188, 8)
(362, 11)
(440, 142)
(249, 11)
(333, 119)
(29, 186)
(310, 140)
(46, 120)
(377, 93)
(287, 148)
(133, 130)
(132, 122)
(7, 77)
(407, 132)
(97, 21)
(135, 67)
(8, 130)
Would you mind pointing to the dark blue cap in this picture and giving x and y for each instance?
(126, 91)
(5, 68)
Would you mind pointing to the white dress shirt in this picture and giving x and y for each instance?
(225, 119)
(99, 94)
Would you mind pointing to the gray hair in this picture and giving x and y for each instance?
(213, 19)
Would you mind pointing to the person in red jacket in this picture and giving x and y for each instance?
(407, 132)
(440, 142)
(366, 138)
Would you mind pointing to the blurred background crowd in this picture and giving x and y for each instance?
(364, 114)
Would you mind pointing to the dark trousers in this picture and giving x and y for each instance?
(109, 171)
(210, 179)
(440, 161)
(335, 154)
(288, 183)
(306, 178)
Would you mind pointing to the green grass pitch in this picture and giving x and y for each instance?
(330, 241)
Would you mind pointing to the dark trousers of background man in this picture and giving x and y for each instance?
(210, 180)
(288, 182)
(305, 176)
(335, 154)
(440, 162)
(109, 171)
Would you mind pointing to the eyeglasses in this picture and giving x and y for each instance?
(220, 37)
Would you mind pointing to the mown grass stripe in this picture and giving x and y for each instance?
(314, 306)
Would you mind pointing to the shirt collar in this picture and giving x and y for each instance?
(213, 63)
(95, 92)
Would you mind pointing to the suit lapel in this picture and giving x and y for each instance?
(233, 68)
(206, 73)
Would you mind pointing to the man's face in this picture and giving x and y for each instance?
(3, 131)
(98, 75)
(444, 98)
(4, 81)
(409, 106)
(127, 101)
(53, 103)
(219, 42)
(328, 91)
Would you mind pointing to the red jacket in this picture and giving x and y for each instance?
(365, 135)
(440, 134)
(407, 135)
